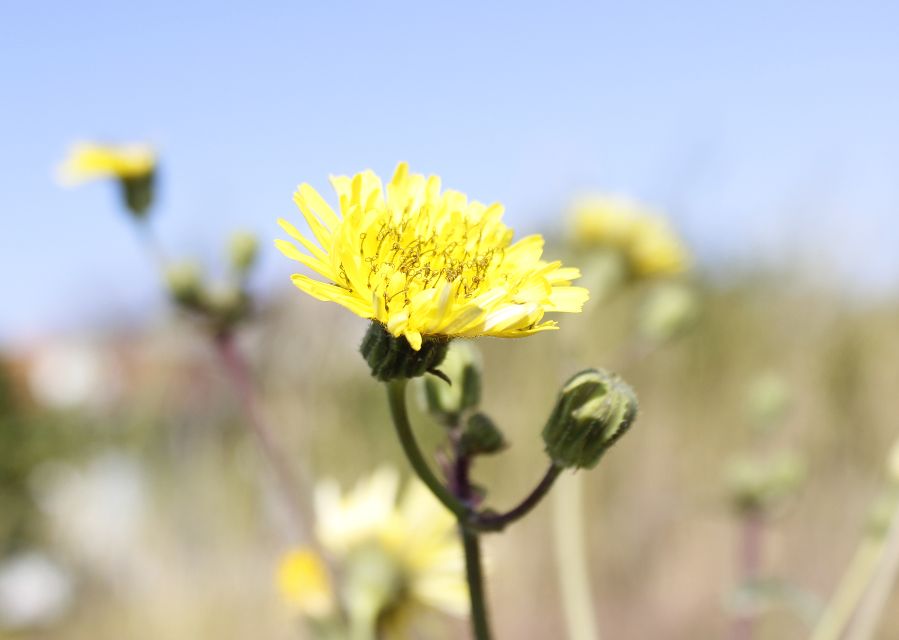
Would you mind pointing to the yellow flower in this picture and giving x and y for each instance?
(305, 583)
(644, 237)
(414, 544)
(90, 161)
(426, 263)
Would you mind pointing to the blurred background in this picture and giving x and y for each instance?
(133, 501)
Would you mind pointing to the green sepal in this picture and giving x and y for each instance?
(392, 358)
(138, 193)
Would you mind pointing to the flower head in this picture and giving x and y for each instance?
(90, 161)
(644, 237)
(132, 165)
(305, 583)
(426, 263)
(413, 545)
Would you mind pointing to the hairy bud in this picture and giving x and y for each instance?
(481, 436)
(593, 410)
(243, 247)
(185, 284)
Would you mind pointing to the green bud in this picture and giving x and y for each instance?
(227, 304)
(880, 515)
(243, 247)
(767, 400)
(185, 284)
(446, 402)
(138, 193)
(392, 358)
(481, 437)
(593, 410)
(668, 310)
(759, 483)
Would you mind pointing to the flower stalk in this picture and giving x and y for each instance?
(239, 374)
(474, 573)
(458, 504)
(396, 396)
(752, 534)
(871, 608)
(571, 559)
(461, 501)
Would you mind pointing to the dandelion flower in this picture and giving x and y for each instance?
(426, 263)
(415, 544)
(644, 237)
(90, 161)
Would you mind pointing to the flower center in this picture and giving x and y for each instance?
(416, 253)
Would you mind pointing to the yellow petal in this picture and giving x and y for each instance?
(414, 338)
(322, 208)
(294, 254)
(296, 235)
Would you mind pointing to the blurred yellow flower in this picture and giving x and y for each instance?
(305, 583)
(643, 236)
(424, 263)
(90, 161)
(397, 557)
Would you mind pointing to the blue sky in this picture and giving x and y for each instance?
(763, 128)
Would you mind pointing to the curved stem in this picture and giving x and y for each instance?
(475, 583)
(499, 521)
(396, 395)
(237, 370)
(870, 610)
(839, 610)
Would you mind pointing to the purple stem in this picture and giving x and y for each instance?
(751, 534)
(239, 373)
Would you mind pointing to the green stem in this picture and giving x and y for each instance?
(239, 373)
(869, 614)
(850, 591)
(498, 522)
(396, 395)
(571, 559)
(475, 583)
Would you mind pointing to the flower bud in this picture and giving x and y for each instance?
(481, 437)
(243, 248)
(137, 192)
(185, 284)
(767, 399)
(227, 304)
(392, 358)
(880, 515)
(757, 483)
(593, 410)
(668, 310)
(446, 402)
